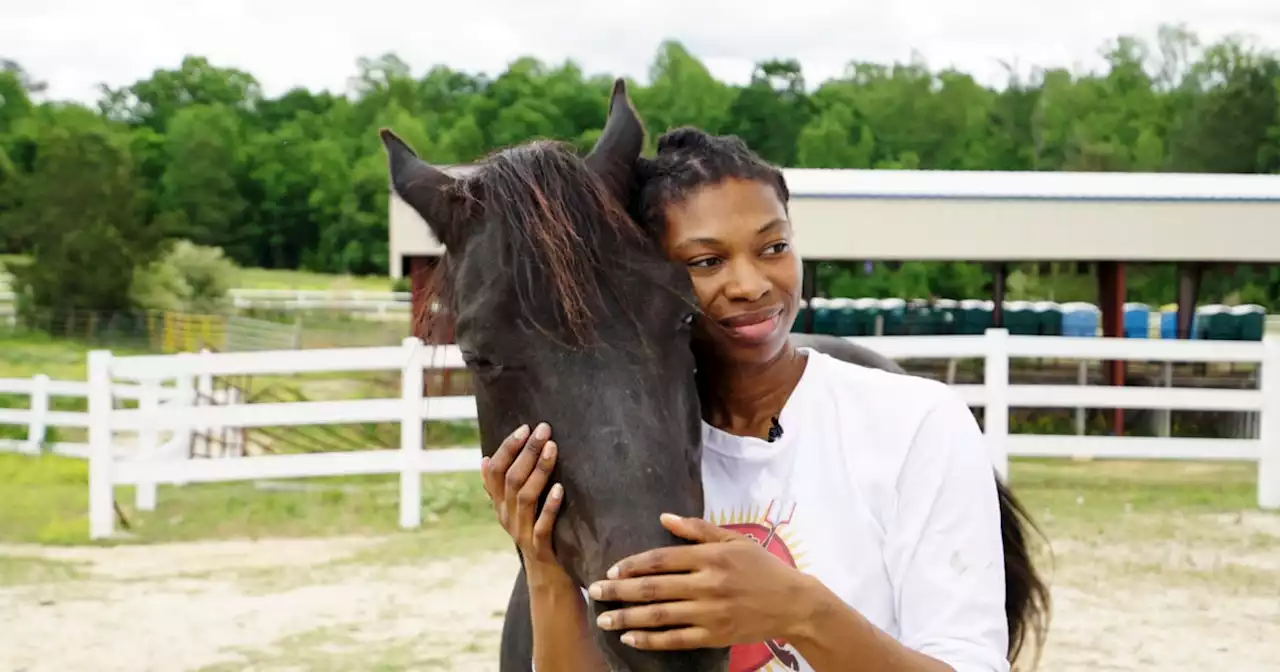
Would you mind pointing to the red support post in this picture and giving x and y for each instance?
(1111, 293)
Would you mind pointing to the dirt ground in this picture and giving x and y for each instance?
(1183, 594)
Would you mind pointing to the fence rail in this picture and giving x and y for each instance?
(155, 400)
(39, 417)
(145, 375)
(381, 303)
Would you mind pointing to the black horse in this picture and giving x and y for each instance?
(566, 312)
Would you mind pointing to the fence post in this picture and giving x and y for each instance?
(996, 413)
(411, 389)
(101, 485)
(38, 429)
(183, 400)
(204, 394)
(144, 493)
(1269, 430)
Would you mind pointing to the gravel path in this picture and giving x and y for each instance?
(1184, 600)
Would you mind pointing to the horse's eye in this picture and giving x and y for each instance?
(479, 363)
(687, 320)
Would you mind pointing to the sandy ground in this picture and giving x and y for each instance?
(1195, 594)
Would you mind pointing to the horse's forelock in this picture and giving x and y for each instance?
(560, 228)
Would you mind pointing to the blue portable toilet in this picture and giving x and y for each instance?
(1137, 320)
(1079, 319)
(1169, 322)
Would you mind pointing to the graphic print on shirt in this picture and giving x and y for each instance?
(769, 530)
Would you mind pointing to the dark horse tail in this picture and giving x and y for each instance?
(1026, 601)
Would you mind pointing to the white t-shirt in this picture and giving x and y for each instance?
(882, 486)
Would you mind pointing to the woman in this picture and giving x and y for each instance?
(853, 517)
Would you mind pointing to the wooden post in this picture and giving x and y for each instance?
(1111, 292)
(999, 280)
(808, 289)
(1189, 276)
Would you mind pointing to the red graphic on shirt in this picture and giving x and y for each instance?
(752, 657)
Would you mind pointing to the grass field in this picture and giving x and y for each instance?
(29, 354)
(1154, 565)
(46, 500)
(261, 278)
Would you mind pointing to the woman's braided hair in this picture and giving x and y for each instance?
(689, 158)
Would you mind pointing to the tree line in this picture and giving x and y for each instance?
(199, 153)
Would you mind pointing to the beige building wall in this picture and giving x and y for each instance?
(977, 216)
(409, 236)
(1023, 229)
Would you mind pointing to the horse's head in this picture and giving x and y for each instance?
(566, 312)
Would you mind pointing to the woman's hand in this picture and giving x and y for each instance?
(514, 479)
(725, 590)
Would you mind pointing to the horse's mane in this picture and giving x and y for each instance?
(558, 228)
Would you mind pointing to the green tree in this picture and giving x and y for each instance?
(298, 180)
(82, 212)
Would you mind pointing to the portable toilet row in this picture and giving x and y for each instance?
(1222, 323)
(895, 316)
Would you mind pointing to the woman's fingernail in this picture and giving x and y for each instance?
(669, 518)
(629, 639)
(542, 431)
(595, 591)
(557, 491)
(484, 463)
(612, 573)
(605, 621)
(521, 432)
(549, 450)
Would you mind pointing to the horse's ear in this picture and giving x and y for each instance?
(428, 190)
(619, 145)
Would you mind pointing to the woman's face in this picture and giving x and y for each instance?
(735, 239)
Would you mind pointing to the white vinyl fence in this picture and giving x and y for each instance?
(108, 468)
(154, 397)
(38, 417)
(380, 303)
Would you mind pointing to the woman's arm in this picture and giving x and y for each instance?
(561, 635)
(836, 637)
(514, 478)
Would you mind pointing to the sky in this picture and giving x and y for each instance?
(74, 45)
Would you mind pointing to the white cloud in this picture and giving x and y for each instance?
(75, 44)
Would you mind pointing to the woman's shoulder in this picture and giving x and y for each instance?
(889, 422)
(847, 382)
